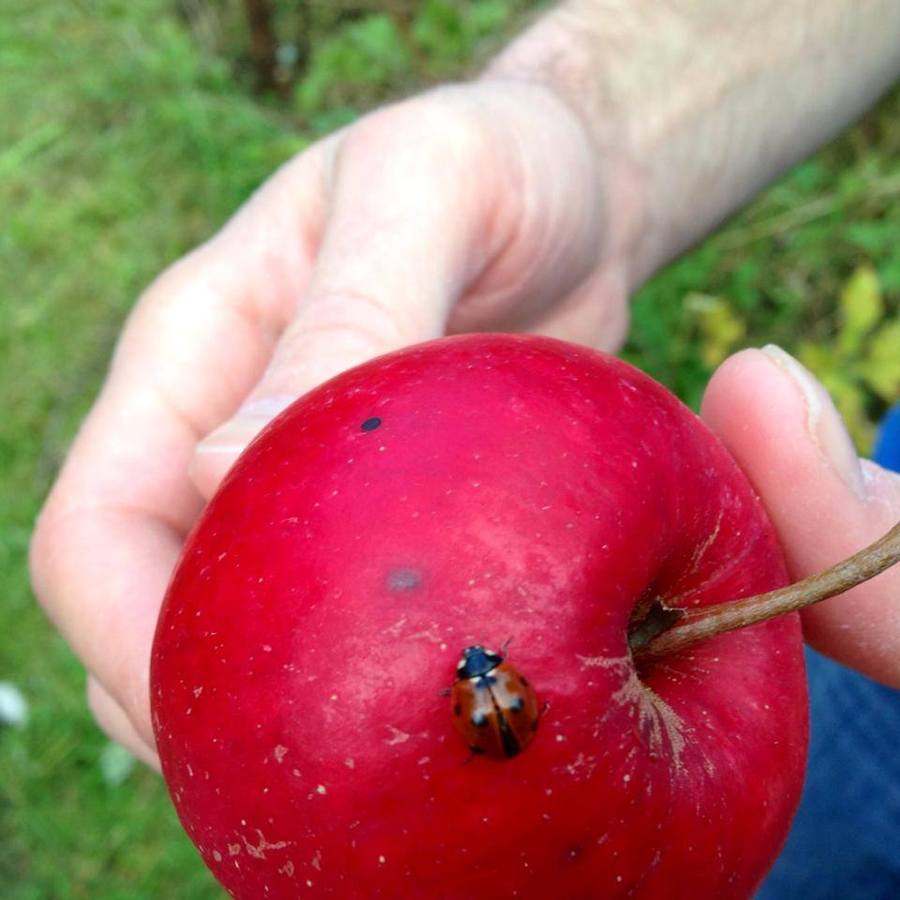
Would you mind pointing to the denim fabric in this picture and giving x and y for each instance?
(845, 841)
(887, 447)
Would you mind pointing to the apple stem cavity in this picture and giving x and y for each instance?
(665, 630)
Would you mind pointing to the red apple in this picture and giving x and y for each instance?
(478, 490)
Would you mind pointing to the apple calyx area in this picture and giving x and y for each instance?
(664, 630)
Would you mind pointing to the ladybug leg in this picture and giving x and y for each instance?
(504, 647)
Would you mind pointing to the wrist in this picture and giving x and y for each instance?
(573, 195)
(553, 60)
(682, 92)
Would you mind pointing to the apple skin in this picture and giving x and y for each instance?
(517, 489)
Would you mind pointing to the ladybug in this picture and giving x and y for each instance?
(494, 707)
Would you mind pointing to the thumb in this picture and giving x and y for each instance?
(781, 426)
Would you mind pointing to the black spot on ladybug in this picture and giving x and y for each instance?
(403, 579)
(478, 751)
(371, 424)
(517, 704)
(524, 680)
(457, 709)
(479, 719)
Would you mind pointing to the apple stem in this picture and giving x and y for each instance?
(680, 631)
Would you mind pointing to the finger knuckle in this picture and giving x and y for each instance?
(435, 127)
(42, 550)
(365, 315)
(54, 550)
(104, 710)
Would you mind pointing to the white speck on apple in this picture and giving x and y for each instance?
(397, 736)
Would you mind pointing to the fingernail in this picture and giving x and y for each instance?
(234, 435)
(823, 422)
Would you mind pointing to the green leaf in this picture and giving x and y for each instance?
(810, 176)
(489, 16)
(874, 237)
(367, 54)
(861, 308)
(439, 29)
(331, 118)
(889, 274)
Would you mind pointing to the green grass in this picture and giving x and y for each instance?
(121, 146)
(120, 150)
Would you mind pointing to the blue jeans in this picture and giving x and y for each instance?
(845, 841)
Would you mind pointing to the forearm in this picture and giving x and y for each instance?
(702, 102)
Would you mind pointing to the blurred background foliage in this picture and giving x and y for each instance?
(128, 132)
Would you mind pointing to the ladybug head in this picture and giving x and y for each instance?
(477, 661)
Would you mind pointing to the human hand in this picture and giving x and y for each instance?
(477, 207)
(825, 503)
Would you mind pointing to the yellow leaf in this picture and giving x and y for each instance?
(721, 328)
(861, 308)
(881, 366)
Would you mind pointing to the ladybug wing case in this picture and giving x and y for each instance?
(496, 714)
(475, 717)
(518, 702)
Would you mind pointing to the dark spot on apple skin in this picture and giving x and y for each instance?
(402, 580)
(371, 424)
